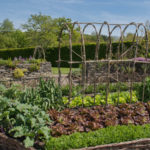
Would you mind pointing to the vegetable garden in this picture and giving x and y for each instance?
(106, 100)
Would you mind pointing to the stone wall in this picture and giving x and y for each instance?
(7, 73)
(122, 71)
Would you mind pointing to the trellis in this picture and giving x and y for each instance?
(39, 50)
(117, 59)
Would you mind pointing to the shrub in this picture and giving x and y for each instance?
(52, 52)
(25, 70)
(9, 63)
(36, 61)
(2, 62)
(33, 67)
(18, 73)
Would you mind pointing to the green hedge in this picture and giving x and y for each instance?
(16, 52)
(52, 53)
(107, 135)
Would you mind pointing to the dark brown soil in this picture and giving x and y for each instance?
(7, 143)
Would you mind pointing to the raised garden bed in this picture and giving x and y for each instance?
(142, 144)
(7, 143)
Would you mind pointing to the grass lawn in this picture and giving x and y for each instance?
(63, 70)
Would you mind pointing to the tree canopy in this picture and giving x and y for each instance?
(43, 30)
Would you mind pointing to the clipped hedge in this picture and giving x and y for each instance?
(103, 136)
(16, 52)
(52, 52)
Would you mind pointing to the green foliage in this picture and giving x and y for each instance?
(47, 95)
(12, 92)
(33, 67)
(2, 89)
(24, 121)
(6, 26)
(100, 88)
(43, 30)
(146, 90)
(18, 73)
(36, 61)
(2, 62)
(9, 63)
(124, 97)
(52, 52)
(107, 135)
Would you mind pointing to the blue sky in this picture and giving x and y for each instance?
(113, 11)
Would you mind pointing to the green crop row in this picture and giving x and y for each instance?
(100, 88)
(107, 135)
(113, 98)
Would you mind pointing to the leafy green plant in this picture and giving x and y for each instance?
(2, 62)
(47, 95)
(2, 89)
(25, 70)
(146, 90)
(12, 92)
(107, 135)
(124, 97)
(9, 63)
(18, 73)
(33, 67)
(36, 61)
(100, 88)
(23, 121)
(86, 119)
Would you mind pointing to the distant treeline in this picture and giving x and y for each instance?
(44, 31)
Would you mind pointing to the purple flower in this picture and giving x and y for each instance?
(15, 58)
(30, 58)
(141, 59)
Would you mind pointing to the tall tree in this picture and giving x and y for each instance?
(40, 30)
(6, 32)
(6, 26)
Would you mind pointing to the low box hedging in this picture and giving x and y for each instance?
(107, 135)
(52, 52)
